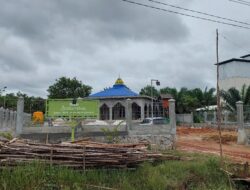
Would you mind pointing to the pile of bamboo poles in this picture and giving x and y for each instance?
(79, 155)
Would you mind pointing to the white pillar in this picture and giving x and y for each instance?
(205, 117)
(215, 117)
(110, 113)
(142, 112)
(240, 114)
(242, 137)
(172, 116)
(129, 114)
(20, 115)
(1, 117)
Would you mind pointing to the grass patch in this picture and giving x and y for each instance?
(201, 172)
(6, 135)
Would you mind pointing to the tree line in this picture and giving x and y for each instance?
(62, 88)
(187, 100)
(31, 103)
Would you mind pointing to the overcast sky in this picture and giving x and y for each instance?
(98, 40)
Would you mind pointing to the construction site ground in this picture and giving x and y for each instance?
(206, 140)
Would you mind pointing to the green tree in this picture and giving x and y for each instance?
(168, 90)
(233, 95)
(209, 97)
(146, 91)
(9, 101)
(68, 88)
(187, 100)
(31, 103)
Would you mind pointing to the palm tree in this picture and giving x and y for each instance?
(233, 95)
(208, 97)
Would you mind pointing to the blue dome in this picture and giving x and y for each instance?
(118, 89)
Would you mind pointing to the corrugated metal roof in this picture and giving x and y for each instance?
(233, 59)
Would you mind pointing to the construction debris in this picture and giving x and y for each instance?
(78, 155)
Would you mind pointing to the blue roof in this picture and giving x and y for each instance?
(118, 89)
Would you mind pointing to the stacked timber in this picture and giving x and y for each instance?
(79, 155)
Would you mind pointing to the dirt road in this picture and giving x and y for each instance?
(206, 140)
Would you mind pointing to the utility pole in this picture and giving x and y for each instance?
(4, 97)
(152, 101)
(218, 94)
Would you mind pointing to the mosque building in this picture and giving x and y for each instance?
(113, 102)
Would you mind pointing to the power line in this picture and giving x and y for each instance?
(235, 44)
(244, 1)
(184, 14)
(199, 12)
(239, 2)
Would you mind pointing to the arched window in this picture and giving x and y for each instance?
(118, 112)
(136, 111)
(145, 111)
(104, 112)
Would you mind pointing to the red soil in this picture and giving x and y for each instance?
(205, 140)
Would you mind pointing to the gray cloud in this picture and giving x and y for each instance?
(96, 40)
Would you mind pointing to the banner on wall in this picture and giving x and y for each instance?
(72, 109)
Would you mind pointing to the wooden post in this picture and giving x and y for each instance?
(47, 138)
(72, 134)
(84, 159)
(218, 94)
(51, 156)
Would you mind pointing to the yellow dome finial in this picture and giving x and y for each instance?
(119, 81)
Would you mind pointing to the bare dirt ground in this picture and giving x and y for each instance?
(206, 140)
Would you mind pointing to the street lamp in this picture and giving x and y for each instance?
(157, 82)
(76, 92)
(3, 90)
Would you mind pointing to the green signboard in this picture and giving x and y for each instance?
(70, 109)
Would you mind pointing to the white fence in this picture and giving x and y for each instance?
(185, 118)
(8, 119)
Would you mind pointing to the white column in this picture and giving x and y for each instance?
(142, 112)
(110, 114)
(242, 137)
(129, 114)
(240, 114)
(1, 117)
(172, 116)
(20, 115)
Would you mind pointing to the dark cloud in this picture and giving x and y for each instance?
(15, 56)
(96, 40)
